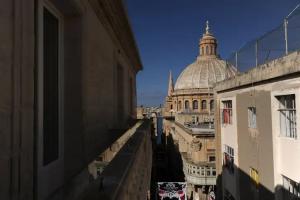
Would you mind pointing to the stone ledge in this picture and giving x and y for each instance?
(277, 68)
(114, 180)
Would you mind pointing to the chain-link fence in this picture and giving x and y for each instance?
(279, 42)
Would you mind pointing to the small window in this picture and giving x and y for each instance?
(228, 158)
(252, 117)
(208, 172)
(171, 106)
(195, 105)
(203, 104)
(211, 105)
(214, 173)
(227, 112)
(211, 158)
(206, 50)
(287, 115)
(187, 105)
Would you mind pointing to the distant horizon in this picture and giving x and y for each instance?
(167, 34)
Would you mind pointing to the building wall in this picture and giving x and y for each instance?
(255, 145)
(263, 148)
(229, 137)
(285, 149)
(16, 99)
(93, 48)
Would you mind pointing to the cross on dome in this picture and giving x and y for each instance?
(207, 27)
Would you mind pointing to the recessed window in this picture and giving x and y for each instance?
(187, 105)
(195, 105)
(214, 173)
(228, 158)
(208, 172)
(51, 87)
(206, 50)
(287, 115)
(252, 117)
(211, 158)
(227, 112)
(211, 105)
(203, 104)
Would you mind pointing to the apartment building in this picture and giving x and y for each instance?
(257, 132)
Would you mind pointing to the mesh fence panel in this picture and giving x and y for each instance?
(293, 32)
(272, 45)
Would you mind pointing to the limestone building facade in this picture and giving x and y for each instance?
(257, 131)
(191, 103)
(68, 81)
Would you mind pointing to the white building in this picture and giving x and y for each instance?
(258, 132)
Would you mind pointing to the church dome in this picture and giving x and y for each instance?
(208, 69)
(204, 73)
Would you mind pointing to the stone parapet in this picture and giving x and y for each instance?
(284, 66)
(128, 175)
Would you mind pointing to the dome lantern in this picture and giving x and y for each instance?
(208, 43)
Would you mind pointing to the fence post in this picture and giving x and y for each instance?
(256, 53)
(236, 60)
(286, 36)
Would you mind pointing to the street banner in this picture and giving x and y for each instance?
(172, 190)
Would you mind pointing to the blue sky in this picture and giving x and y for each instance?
(167, 33)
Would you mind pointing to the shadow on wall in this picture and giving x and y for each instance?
(167, 163)
(175, 165)
(248, 188)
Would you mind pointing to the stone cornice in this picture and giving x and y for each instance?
(113, 16)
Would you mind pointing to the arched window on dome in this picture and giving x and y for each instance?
(186, 105)
(202, 51)
(171, 107)
(211, 105)
(179, 105)
(203, 104)
(195, 105)
(206, 50)
(211, 50)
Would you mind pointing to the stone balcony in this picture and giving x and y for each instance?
(128, 175)
(203, 173)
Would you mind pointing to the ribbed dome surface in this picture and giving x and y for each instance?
(204, 73)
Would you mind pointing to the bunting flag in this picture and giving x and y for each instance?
(172, 190)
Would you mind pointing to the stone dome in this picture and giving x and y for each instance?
(204, 73)
(208, 68)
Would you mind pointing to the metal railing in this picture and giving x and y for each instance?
(276, 43)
